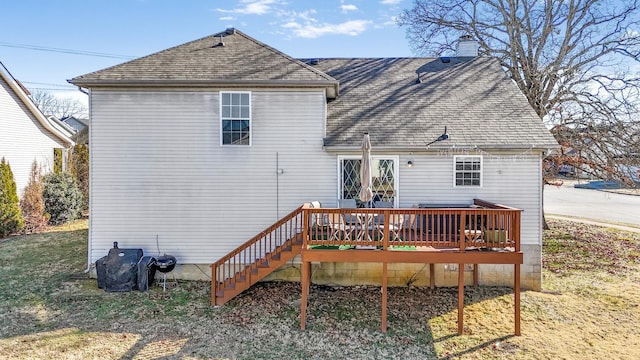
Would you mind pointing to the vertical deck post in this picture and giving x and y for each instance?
(475, 275)
(384, 297)
(460, 298)
(516, 300)
(432, 276)
(214, 284)
(306, 279)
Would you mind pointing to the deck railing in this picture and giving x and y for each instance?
(259, 249)
(484, 225)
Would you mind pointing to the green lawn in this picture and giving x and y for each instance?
(590, 309)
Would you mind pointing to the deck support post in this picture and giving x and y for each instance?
(475, 275)
(306, 280)
(432, 276)
(460, 298)
(516, 300)
(384, 297)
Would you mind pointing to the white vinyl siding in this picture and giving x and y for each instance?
(157, 169)
(22, 138)
(512, 179)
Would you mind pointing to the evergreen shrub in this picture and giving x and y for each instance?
(11, 220)
(62, 198)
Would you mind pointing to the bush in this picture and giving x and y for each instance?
(10, 217)
(62, 198)
(79, 168)
(32, 203)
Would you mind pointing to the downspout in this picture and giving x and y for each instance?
(89, 233)
(277, 187)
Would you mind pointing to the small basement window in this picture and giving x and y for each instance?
(467, 170)
(235, 116)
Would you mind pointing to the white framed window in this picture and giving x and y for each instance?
(467, 170)
(384, 170)
(235, 118)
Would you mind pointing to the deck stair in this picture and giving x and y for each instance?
(257, 258)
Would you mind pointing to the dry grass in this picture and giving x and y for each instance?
(589, 309)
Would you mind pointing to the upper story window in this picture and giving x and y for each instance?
(467, 170)
(235, 116)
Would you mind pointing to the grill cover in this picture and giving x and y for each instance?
(118, 271)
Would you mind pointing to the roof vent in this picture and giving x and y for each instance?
(445, 59)
(314, 61)
(221, 43)
(467, 46)
(230, 31)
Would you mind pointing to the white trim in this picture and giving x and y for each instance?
(250, 116)
(455, 158)
(396, 174)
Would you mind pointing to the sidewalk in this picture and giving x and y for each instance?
(592, 222)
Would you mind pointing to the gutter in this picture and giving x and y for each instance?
(333, 87)
(435, 149)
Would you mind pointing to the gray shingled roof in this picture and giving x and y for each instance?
(242, 60)
(472, 97)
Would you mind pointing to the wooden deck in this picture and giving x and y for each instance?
(484, 233)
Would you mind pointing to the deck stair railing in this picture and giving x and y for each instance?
(256, 258)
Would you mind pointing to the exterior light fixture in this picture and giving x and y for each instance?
(410, 163)
(442, 137)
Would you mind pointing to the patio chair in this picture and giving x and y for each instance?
(347, 203)
(338, 228)
(383, 204)
(396, 222)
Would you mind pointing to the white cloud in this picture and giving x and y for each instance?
(390, 2)
(252, 7)
(312, 31)
(227, 18)
(347, 8)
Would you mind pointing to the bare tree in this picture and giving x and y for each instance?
(52, 105)
(576, 61)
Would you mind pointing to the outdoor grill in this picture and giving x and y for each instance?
(165, 264)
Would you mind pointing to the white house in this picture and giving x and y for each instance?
(197, 148)
(25, 133)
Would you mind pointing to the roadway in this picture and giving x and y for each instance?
(594, 205)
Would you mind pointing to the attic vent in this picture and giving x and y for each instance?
(445, 59)
(230, 31)
(314, 61)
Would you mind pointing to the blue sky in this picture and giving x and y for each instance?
(133, 28)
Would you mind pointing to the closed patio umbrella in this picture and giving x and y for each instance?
(366, 194)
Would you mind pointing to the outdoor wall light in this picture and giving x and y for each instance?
(410, 163)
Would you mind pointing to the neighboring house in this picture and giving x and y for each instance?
(197, 148)
(75, 123)
(25, 133)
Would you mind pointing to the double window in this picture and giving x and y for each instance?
(467, 170)
(235, 116)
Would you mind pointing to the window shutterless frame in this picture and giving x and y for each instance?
(235, 118)
(467, 170)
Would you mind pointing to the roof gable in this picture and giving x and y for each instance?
(229, 57)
